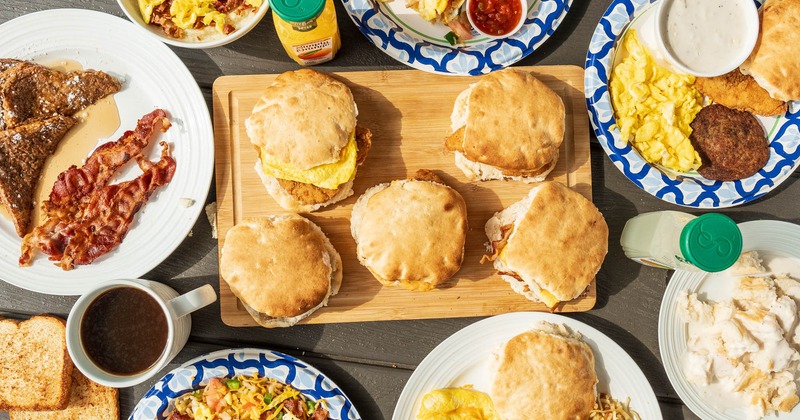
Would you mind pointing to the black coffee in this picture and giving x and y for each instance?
(124, 331)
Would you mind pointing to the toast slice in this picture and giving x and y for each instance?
(23, 152)
(35, 368)
(30, 91)
(87, 401)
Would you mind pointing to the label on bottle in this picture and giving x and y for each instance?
(305, 26)
(314, 52)
(652, 263)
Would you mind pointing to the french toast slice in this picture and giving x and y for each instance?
(23, 152)
(30, 91)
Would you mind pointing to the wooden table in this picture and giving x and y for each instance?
(372, 361)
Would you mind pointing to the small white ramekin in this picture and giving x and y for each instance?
(513, 31)
(750, 32)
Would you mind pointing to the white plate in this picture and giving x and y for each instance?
(153, 77)
(778, 243)
(463, 359)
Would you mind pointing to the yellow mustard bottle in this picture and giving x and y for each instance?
(307, 29)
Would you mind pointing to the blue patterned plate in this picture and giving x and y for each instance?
(409, 39)
(195, 373)
(689, 191)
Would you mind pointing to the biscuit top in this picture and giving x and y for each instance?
(412, 232)
(545, 373)
(303, 119)
(774, 62)
(514, 122)
(560, 242)
(277, 265)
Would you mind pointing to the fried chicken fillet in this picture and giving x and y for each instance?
(741, 92)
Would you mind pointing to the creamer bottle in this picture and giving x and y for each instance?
(307, 29)
(675, 240)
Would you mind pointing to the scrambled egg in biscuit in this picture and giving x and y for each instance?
(654, 107)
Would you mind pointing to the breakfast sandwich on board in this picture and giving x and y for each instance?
(411, 232)
(309, 145)
(550, 245)
(508, 125)
(282, 268)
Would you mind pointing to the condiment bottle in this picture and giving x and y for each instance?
(676, 240)
(307, 29)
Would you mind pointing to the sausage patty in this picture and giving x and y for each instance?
(732, 144)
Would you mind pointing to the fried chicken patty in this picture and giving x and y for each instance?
(312, 194)
(732, 144)
(739, 91)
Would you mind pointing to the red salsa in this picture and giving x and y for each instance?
(495, 17)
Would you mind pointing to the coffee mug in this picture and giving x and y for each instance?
(124, 331)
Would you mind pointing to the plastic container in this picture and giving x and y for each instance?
(676, 240)
(307, 29)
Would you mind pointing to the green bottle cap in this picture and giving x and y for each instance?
(711, 242)
(297, 10)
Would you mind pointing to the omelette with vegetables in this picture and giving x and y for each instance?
(654, 107)
(247, 398)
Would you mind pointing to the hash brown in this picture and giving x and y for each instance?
(741, 92)
(732, 144)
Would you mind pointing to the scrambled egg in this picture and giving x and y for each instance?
(654, 107)
(431, 9)
(457, 404)
(328, 176)
(186, 12)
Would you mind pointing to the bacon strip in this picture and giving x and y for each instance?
(110, 213)
(75, 184)
(85, 218)
(497, 246)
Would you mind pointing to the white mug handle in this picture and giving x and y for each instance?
(192, 301)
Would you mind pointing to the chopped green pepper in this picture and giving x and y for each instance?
(197, 393)
(451, 37)
(267, 398)
(311, 405)
(233, 384)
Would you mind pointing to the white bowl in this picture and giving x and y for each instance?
(749, 34)
(131, 9)
(513, 31)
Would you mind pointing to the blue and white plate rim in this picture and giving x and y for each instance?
(224, 363)
(689, 191)
(397, 42)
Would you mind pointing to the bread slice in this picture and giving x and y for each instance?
(23, 152)
(35, 368)
(30, 91)
(87, 401)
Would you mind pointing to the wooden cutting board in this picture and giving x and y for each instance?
(408, 112)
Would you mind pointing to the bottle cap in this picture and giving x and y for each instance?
(297, 10)
(711, 242)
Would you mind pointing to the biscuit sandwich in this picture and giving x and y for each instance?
(508, 125)
(548, 246)
(774, 62)
(545, 373)
(282, 268)
(411, 233)
(309, 146)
